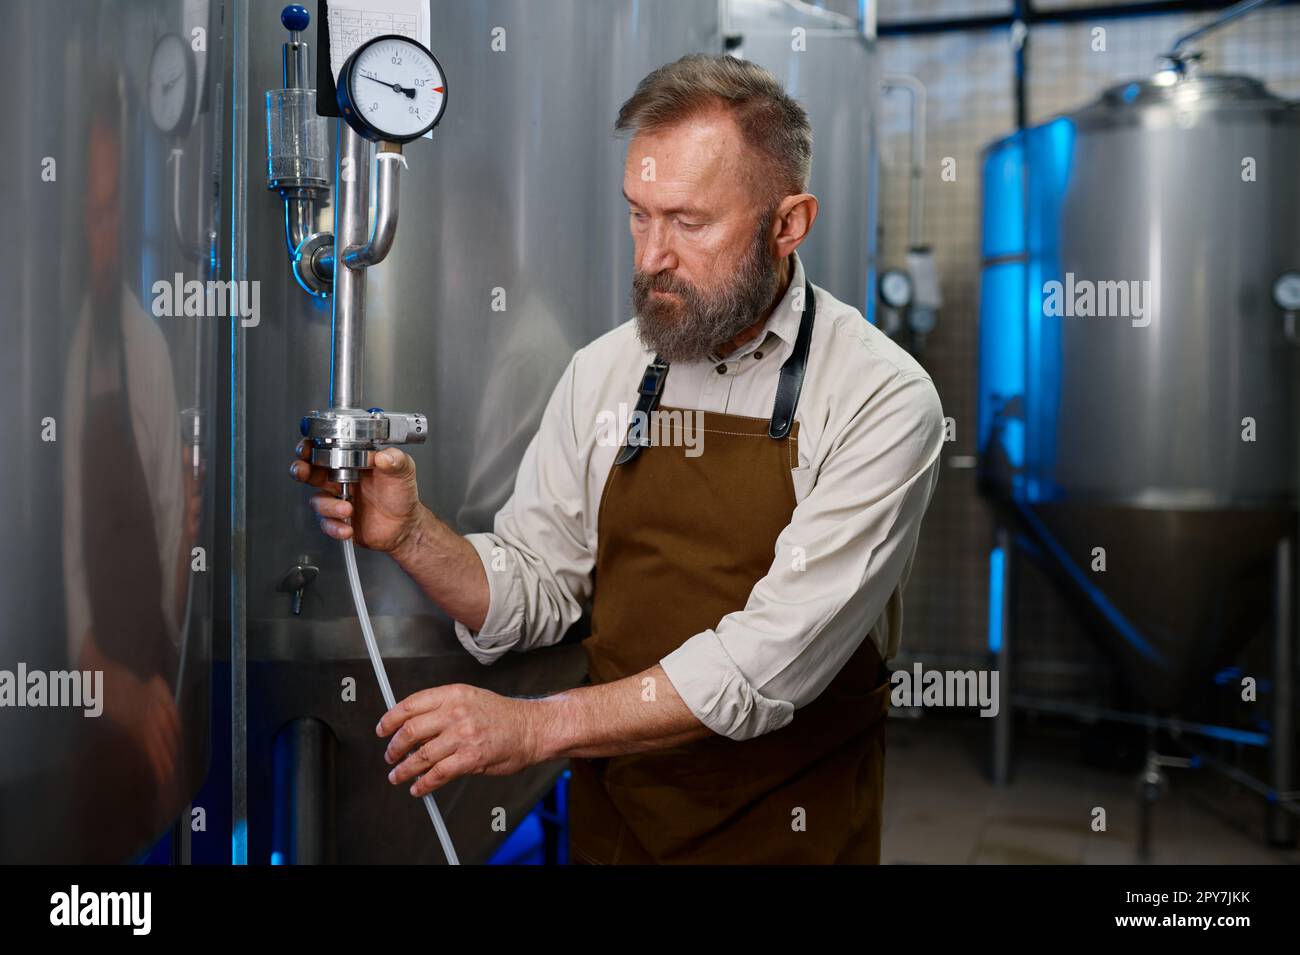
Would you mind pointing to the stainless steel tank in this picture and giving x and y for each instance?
(828, 62)
(1138, 384)
(515, 202)
(114, 183)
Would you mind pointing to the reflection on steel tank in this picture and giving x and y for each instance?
(523, 330)
(118, 186)
(1138, 380)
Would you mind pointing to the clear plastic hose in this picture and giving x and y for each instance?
(376, 661)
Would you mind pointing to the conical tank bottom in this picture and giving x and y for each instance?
(1182, 591)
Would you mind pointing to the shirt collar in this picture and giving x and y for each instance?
(784, 320)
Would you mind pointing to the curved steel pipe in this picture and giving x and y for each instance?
(387, 182)
(299, 217)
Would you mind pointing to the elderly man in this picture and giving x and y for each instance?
(745, 590)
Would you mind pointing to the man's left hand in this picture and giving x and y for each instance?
(446, 732)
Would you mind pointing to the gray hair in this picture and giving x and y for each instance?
(772, 123)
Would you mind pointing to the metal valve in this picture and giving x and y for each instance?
(346, 439)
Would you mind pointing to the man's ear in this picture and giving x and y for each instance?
(793, 221)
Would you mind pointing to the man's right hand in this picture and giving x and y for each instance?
(387, 501)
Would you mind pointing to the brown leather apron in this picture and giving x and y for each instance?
(681, 542)
(124, 584)
(124, 574)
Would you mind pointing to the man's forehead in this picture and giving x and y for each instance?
(676, 163)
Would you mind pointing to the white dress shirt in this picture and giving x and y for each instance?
(870, 432)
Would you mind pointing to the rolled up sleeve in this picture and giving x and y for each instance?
(537, 559)
(837, 573)
(503, 626)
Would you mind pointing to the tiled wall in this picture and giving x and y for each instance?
(1065, 70)
(969, 79)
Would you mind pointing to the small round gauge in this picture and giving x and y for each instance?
(171, 83)
(1286, 291)
(392, 89)
(896, 288)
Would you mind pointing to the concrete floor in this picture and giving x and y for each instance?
(941, 808)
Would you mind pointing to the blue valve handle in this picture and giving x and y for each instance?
(295, 17)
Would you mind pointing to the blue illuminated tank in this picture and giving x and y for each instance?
(1137, 382)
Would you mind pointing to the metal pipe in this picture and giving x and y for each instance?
(1232, 13)
(842, 20)
(916, 185)
(351, 220)
(1180, 728)
(239, 145)
(1022, 13)
(299, 218)
(1283, 802)
(867, 20)
(294, 62)
(387, 180)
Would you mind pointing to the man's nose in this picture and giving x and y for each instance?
(656, 251)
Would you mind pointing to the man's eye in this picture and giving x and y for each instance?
(690, 226)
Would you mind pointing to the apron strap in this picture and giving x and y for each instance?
(791, 381)
(787, 388)
(652, 386)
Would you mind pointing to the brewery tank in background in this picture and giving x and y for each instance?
(1165, 434)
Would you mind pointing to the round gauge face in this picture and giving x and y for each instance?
(896, 288)
(392, 89)
(170, 79)
(1286, 291)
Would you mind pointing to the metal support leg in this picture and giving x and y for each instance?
(181, 833)
(1001, 625)
(306, 753)
(1153, 785)
(552, 831)
(1281, 747)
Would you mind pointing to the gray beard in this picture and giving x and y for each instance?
(689, 327)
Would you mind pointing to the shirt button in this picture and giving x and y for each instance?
(722, 369)
(758, 354)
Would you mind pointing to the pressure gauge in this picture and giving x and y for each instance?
(1286, 291)
(896, 288)
(171, 84)
(391, 89)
